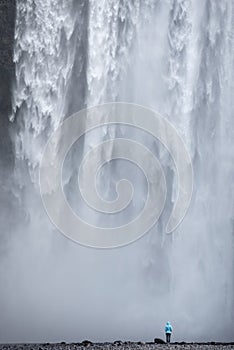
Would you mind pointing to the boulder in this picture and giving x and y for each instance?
(159, 341)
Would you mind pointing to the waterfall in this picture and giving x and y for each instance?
(175, 57)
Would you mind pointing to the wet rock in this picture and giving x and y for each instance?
(118, 342)
(86, 343)
(159, 341)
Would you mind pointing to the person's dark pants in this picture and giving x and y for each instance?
(168, 337)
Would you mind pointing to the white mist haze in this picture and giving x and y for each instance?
(176, 57)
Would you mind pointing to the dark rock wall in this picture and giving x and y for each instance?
(7, 200)
(7, 24)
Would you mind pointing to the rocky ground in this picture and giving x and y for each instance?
(118, 345)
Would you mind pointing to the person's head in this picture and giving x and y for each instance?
(168, 322)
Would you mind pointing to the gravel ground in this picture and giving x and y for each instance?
(118, 346)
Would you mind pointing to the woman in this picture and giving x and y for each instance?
(168, 331)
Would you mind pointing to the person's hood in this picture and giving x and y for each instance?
(168, 322)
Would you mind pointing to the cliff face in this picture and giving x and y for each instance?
(7, 200)
(7, 24)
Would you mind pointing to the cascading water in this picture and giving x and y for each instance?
(175, 56)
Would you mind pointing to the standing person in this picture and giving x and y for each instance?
(168, 331)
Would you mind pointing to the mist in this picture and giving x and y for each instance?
(175, 57)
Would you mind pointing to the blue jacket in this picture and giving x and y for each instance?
(168, 328)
